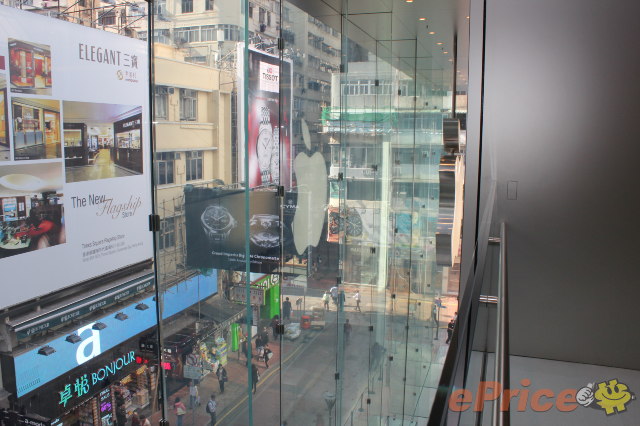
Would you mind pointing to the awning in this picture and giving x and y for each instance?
(223, 312)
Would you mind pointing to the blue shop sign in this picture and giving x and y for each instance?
(44, 364)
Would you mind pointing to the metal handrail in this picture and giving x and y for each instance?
(501, 416)
(456, 365)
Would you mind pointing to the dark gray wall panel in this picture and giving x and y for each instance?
(562, 87)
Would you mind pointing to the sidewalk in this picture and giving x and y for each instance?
(234, 390)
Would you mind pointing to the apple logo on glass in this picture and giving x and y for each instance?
(313, 180)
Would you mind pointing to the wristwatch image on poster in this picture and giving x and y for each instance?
(268, 149)
(269, 120)
(216, 223)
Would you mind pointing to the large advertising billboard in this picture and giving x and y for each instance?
(216, 229)
(75, 190)
(269, 119)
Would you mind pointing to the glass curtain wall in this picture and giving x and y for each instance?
(296, 164)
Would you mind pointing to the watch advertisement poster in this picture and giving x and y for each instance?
(216, 226)
(75, 186)
(269, 119)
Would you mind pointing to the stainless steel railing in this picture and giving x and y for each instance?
(501, 371)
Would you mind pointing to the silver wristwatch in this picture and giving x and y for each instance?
(217, 223)
(264, 145)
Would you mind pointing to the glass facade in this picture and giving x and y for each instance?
(299, 186)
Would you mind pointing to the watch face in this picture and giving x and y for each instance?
(217, 218)
(265, 230)
(354, 224)
(263, 149)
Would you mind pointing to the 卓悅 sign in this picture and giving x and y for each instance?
(63, 222)
(38, 366)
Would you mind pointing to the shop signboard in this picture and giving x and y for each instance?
(216, 226)
(45, 363)
(238, 294)
(269, 109)
(85, 384)
(63, 82)
(69, 314)
(264, 281)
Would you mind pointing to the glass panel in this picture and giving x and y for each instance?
(298, 194)
(200, 90)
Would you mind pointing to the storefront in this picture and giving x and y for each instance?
(264, 295)
(196, 341)
(108, 366)
(128, 152)
(30, 66)
(118, 383)
(36, 128)
(101, 140)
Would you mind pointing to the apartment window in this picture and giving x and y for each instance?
(261, 15)
(167, 237)
(208, 4)
(314, 62)
(161, 102)
(315, 40)
(188, 104)
(208, 33)
(194, 165)
(108, 18)
(268, 19)
(160, 7)
(187, 34)
(250, 10)
(187, 6)
(165, 162)
(231, 32)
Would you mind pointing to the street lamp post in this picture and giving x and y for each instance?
(330, 400)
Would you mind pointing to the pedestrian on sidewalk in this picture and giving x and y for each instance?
(193, 394)
(286, 309)
(357, 298)
(254, 377)
(268, 353)
(334, 294)
(144, 420)
(450, 327)
(258, 342)
(299, 305)
(222, 377)
(180, 410)
(245, 348)
(275, 322)
(342, 299)
(211, 408)
(347, 330)
(264, 336)
(325, 300)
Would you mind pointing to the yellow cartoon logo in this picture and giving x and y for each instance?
(611, 396)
